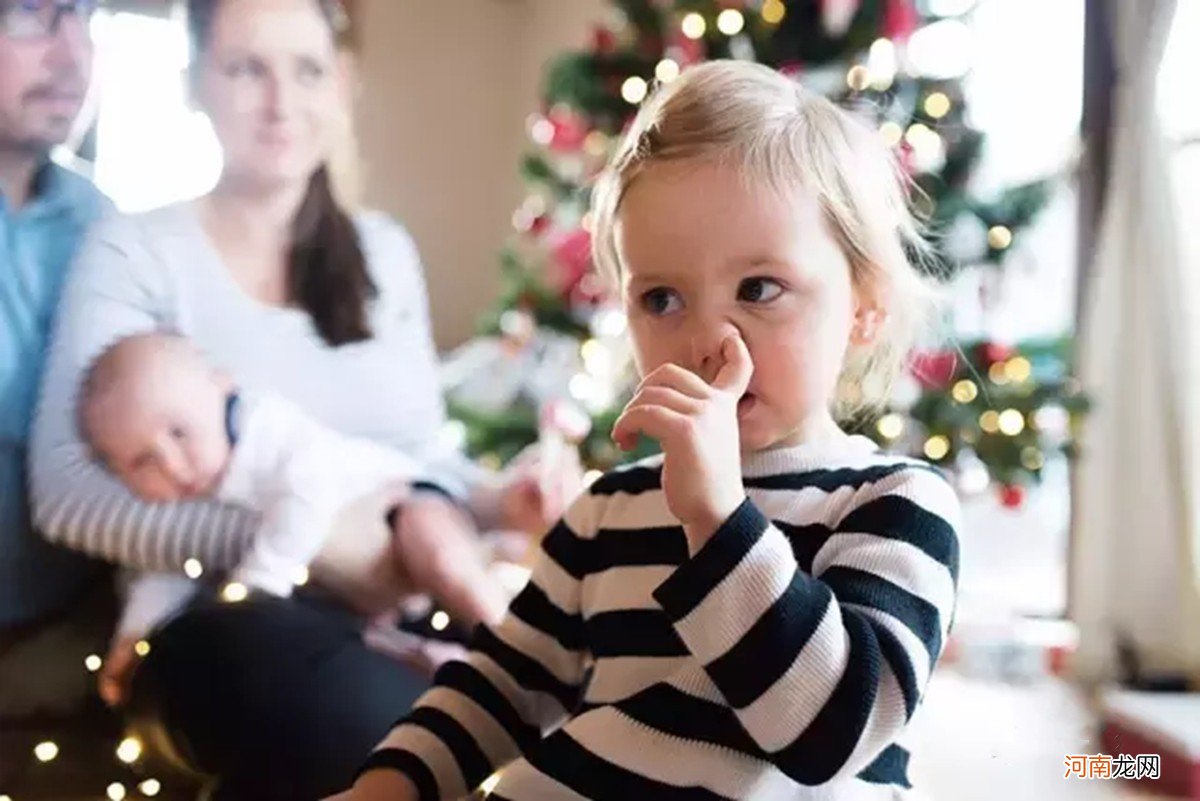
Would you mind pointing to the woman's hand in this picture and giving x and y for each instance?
(439, 550)
(697, 426)
(379, 785)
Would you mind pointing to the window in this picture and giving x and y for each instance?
(151, 147)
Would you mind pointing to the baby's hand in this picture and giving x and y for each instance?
(697, 426)
(117, 672)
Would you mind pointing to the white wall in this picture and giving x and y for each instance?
(446, 88)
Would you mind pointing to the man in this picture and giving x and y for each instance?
(50, 618)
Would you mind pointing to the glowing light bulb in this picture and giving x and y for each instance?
(730, 22)
(937, 447)
(694, 26)
(666, 70)
(999, 237)
(891, 426)
(130, 750)
(937, 105)
(1011, 422)
(634, 89)
(965, 391)
(773, 12)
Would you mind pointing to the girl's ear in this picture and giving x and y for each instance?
(869, 320)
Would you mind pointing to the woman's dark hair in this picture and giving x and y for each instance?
(327, 270)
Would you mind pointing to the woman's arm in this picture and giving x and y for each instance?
(399, 276)
(116, 288)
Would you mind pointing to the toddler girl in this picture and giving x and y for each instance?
(754, 613)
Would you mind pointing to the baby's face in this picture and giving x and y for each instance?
(163, 432)
(703, 254)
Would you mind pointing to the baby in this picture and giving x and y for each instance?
(170, 428)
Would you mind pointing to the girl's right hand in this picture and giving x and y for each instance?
(379, 785)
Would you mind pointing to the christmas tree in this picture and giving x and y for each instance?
(551, 349)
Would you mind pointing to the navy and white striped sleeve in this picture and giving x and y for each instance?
(521, 679)
(824, 669)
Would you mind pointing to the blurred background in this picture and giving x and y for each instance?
(1056, 395)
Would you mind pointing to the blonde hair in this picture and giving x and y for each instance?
(784, 136)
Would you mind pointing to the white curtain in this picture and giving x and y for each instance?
(1135, 528)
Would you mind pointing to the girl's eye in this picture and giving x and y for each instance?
(661, 300)
(759, 290)
(178, 433)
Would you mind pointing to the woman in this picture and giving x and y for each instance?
(280, 699)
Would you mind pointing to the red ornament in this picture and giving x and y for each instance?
(570, 129)
(792, 69)
(604, 41)
(935, 370)
(686, 51)
(651, 46)
(1012, 496)
(900, 19)
(573, 258)
(992, 352)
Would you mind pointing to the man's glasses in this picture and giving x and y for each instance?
(38, 19)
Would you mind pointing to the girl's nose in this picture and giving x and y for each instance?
(706, 358)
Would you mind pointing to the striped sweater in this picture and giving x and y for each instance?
(783, 660)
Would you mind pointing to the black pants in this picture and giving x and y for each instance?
(279, 699)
